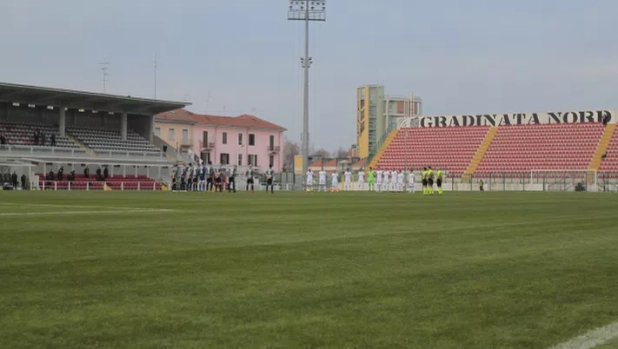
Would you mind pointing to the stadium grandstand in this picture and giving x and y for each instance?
(103, 141)
(575, 150)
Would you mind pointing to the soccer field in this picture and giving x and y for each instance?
(305, 270)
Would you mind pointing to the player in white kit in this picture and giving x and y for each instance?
(386, 181)
(394, 180)
(348, 180)
(309, 180)
(361, 179)
(400, 181)
(322, 180)
(379, 179)
(411, 182)
(334, 185)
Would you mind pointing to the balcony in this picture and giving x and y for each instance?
(273, 149)
(207, 146)
(186, 143)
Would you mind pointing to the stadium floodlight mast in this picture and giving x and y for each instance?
(104, 69)
(306, 10)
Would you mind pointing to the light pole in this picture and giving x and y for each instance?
(306, 10)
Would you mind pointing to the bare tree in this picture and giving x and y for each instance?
(290, 150)
(342, 153)
(321, 153)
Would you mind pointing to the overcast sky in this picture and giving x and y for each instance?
(239, 56)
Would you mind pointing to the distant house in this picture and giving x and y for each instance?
(241, 140)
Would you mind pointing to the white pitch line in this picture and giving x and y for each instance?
(591, 339)
(71, 213)
(84, 206)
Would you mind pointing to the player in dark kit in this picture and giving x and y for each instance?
(231, 183)
(210, 176)
(270, 173)
(250, 174)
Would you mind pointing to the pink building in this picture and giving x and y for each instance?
(241, 140)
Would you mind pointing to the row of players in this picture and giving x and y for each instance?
(209, 177)
(379, 180)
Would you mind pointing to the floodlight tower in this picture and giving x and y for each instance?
(306, 10)
(104, 69)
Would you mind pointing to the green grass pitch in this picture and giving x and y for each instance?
(305, 270)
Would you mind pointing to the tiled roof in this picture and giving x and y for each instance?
(331, 163)
(244, 121)
(317, 163)
(181, 115)
(360, 163)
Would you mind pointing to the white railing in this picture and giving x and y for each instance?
(25, 150)
(130, 155)
(41, 151)
(97, 186)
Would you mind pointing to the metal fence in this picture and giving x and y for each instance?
(519, 181)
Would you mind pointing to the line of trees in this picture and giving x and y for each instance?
(292, 148)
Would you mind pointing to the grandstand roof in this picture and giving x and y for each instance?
(244, 121)
(25, 94)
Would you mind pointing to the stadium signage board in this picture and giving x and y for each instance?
(568, 117)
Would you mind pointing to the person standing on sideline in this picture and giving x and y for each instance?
(231, 183)
(309, 186)
(439, 181)
(201, 185)
(361, 179)
(270, 177)
(371, 176)
(481, 185)
(322, 180)
(424, 179)
(379, 173)
(430, 177)
(411, 182)
(400, 181)
(334, 185)
(250, 175)
(209, 176)
(348, 180)
(53, 140)
(385, 180)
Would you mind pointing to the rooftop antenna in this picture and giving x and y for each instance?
(155, 75)
(104, 69)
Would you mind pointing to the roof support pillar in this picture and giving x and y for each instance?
(150, 130)
(123, 126)
(62, 122)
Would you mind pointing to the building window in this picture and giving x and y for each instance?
(271, 160)
(224, 159)
(272, 142)
(171, 134)
(239, 159)
(158, 131)
(185, 136)
(240, 139)
(251, 139)
(253, 159)
(206, 157)
(224, 137)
